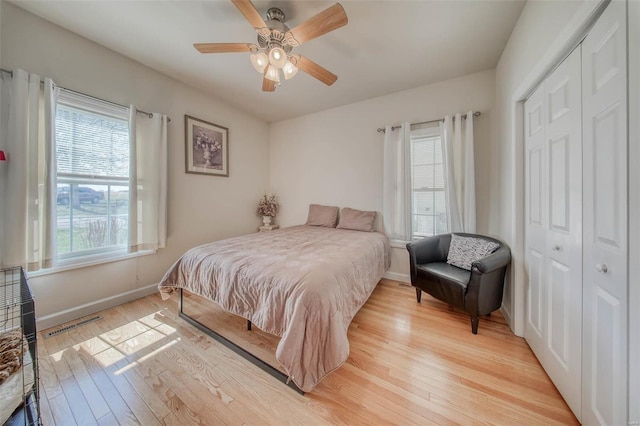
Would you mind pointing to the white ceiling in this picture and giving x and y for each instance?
(387, 46)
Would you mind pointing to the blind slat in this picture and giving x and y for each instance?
(91, 144)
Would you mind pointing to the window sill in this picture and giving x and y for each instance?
(399, 244)
(89, 261)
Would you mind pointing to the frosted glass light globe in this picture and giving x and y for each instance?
(289, 70)
(277, 57)
(259, 61)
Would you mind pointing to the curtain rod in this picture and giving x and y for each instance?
(149, 114)
(381, 130)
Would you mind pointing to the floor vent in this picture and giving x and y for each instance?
(72, 326)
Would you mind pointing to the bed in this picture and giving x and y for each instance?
(303, 283)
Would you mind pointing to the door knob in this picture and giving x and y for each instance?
(601, 267)
(556, 248)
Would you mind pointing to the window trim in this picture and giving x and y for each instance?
(87, 261)
(67, 261)
(425, 132)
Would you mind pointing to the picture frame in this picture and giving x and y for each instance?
(206, 147)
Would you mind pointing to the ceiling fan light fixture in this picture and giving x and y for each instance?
(272, 74)
(259, 61)
(289, 70)
(276, 40)
(277, 57)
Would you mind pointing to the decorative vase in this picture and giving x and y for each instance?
(266, 220)
(207, 155)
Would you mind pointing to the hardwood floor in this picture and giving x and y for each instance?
(410, 363)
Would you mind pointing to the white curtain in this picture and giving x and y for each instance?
(460, 189)
(29, 188)
(148, 181)
(396, 198)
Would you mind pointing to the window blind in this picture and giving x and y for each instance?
(91, 144)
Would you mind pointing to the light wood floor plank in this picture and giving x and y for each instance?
(150, 377)
(136, 403)
(410, 363)
(61, 411)
(197, 409)
(146, 392)
(118, 406)
(48, 377)
(56, 357)
(45, 409)
(181, 414)
(108, 420)
(78, 404)
(90, 391)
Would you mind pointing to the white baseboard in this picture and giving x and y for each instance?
(76, 312)
(397, 277)
(507, 316)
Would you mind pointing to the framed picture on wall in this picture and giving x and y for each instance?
(207, 147)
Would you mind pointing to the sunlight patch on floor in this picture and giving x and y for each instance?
(117, 344)
(403, 324)
(146, 357)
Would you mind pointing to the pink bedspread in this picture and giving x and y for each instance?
(302, 283)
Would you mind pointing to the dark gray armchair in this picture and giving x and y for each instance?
(477, 292)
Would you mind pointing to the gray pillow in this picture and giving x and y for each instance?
(357, 220)
(322, 216)
(463, 251)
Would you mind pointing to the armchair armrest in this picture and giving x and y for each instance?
(496, 260)
(427, 250)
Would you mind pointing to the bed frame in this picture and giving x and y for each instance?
(235, 348)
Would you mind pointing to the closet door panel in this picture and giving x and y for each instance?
(553, 149)
(559, 314)
(535, 299)
(606, 178)
(536, 219)
(605, 220)
(559, 187)
(564, 230)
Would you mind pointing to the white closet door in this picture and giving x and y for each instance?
(553, 122)
(605, 219)
(564, 230)
(536, 220)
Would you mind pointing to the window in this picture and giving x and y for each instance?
(92, 172)
(428, 198)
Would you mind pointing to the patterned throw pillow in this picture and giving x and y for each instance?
(463, 251)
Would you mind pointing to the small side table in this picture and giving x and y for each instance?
(266, 228)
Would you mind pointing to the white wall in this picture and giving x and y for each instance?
(634, 211)
(201, 208)
(334, 157)
(529, 51)
(2, 145)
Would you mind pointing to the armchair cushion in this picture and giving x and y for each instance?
(463, 251)
(444, 282)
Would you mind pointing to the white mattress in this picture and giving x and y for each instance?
(14, 387)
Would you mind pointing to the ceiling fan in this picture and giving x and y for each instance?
(276, 41)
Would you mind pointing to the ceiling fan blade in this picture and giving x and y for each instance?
(225, 47)
(268, 85)
(324, 22)
(251, 14)
(314, 70)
